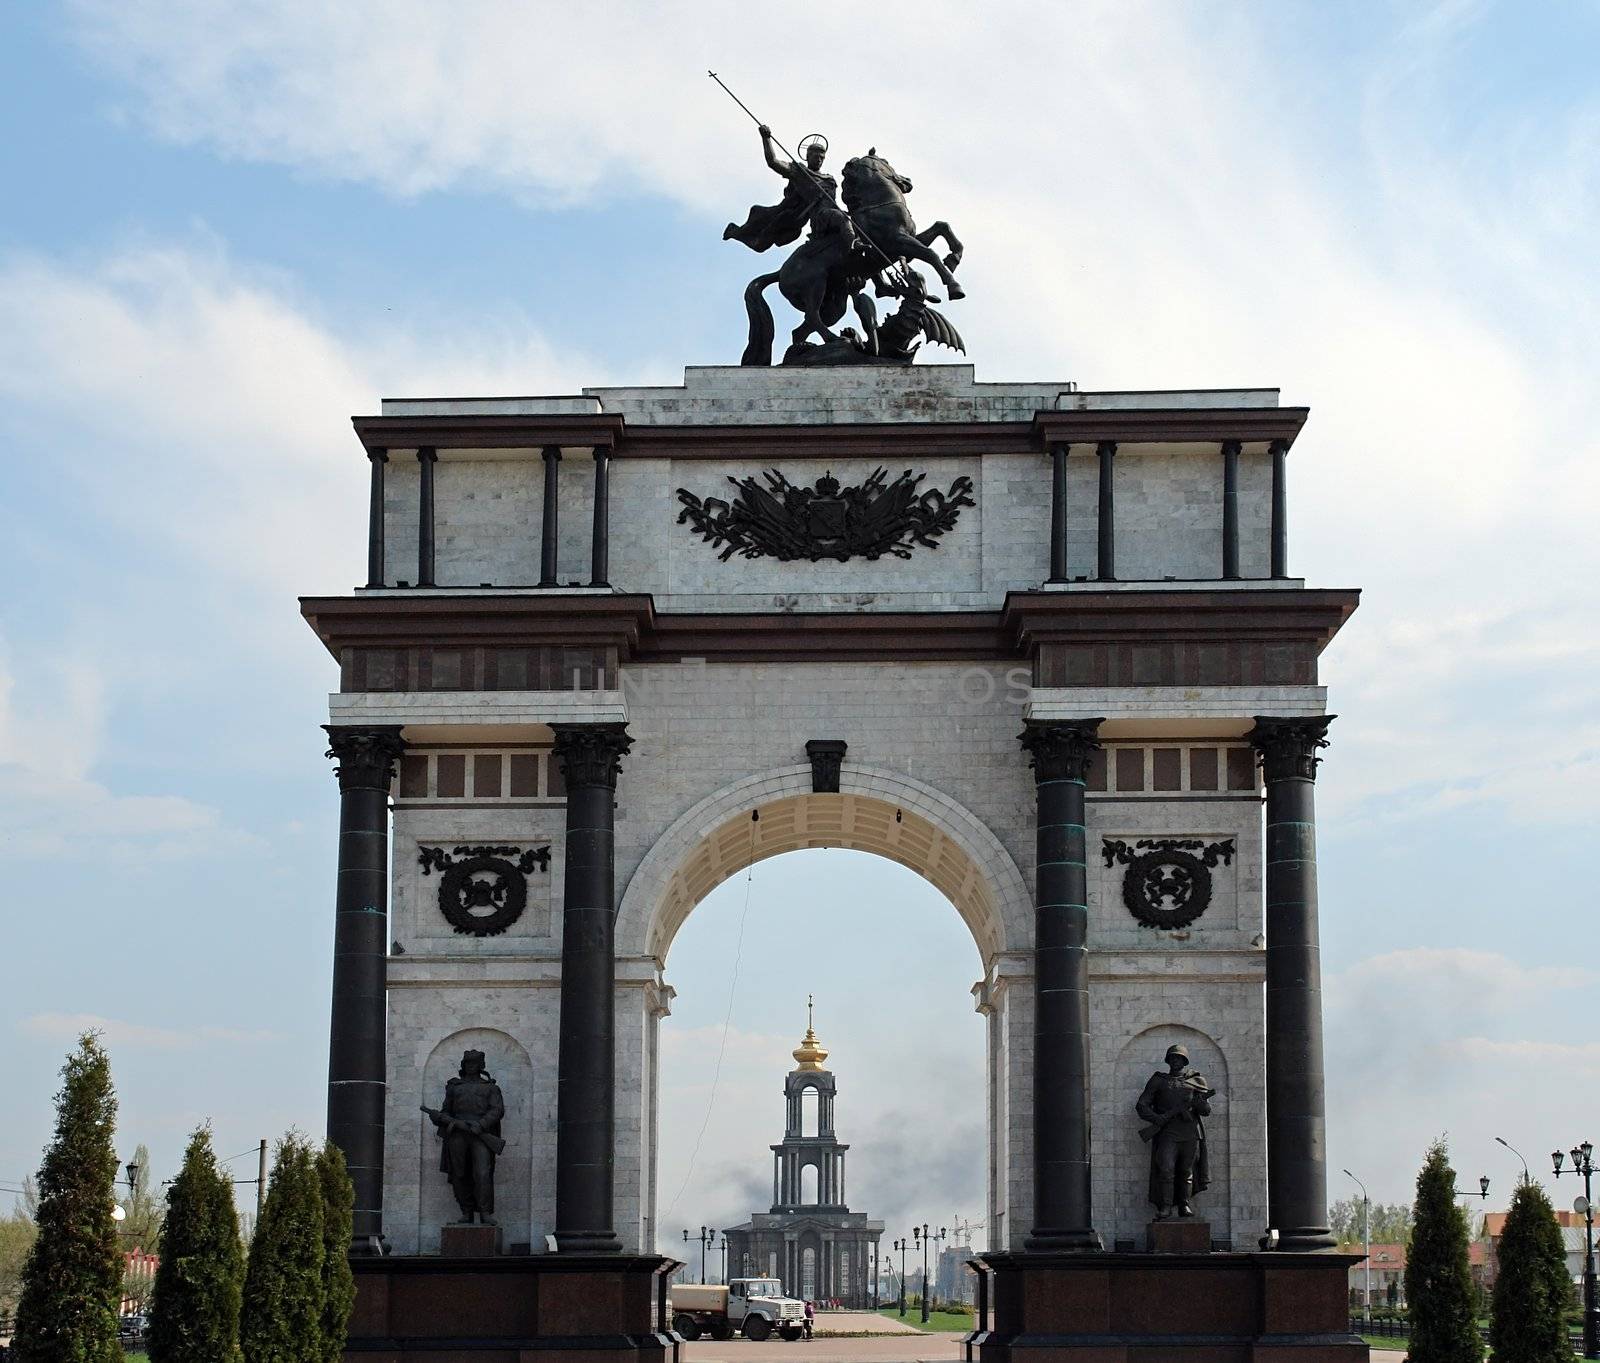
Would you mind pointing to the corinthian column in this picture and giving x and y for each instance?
(1062, 1212)
(357, 1058)
(1297, 1172)
(591, 760)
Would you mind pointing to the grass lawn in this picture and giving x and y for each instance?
(942, 1321)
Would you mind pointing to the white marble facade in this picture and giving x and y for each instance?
(714, 741)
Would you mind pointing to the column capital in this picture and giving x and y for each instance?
(427, 454)
(377, 455)
(1061, 748)
(591, 754)
(551, 453)
(365, 756)
(1288, 747)
(1233, 447)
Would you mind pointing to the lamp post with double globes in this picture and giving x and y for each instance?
(706, 1236)
(1583, 1165)
(902, 1245)
(924, 1238)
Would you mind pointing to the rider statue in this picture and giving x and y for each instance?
(811, 197)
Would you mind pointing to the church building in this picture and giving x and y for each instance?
(810, 1239)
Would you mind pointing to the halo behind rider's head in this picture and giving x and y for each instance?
(813, 147)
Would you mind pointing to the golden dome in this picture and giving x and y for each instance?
(809, 1054)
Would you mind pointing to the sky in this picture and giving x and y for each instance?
(228, 227)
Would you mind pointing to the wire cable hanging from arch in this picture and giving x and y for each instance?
(727, 1023)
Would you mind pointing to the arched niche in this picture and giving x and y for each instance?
(1141, 1057)
(510, 1067)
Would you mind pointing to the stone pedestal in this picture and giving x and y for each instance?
(1178, 1236)
(554, 1308)
(1167, 1308)
(469, 1242)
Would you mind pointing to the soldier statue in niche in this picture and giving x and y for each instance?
(469, 1125)
(1172, 1106)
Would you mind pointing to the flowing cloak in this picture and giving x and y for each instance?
(765, 228)
(1148, 1108)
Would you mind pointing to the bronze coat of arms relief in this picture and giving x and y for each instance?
(826, 520)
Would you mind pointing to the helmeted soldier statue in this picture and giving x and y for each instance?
(468, 1122)
(1173, 1104)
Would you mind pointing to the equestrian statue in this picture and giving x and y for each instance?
(868, 239)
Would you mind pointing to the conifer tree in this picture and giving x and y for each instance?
(194, 1312)
(72, 1280)
(1531, 1290)
(281, 1319)
(338, 1220)
(1438, 1278)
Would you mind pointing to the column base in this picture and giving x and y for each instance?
(587, 1242)
(1178, 1308)
(558, 1308)
(1310, 1241)
(1086, 1241)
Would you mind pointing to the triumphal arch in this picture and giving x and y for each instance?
(1041, 646)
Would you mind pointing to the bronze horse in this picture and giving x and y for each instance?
(828, 271)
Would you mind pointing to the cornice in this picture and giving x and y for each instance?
(863, 439)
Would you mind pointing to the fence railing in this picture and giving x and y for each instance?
(1401, 1329)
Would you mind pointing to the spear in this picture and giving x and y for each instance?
(893, 265)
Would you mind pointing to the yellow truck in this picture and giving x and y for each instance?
(753, 1307)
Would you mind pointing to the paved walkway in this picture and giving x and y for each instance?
(878, 1348)
(925, 1348)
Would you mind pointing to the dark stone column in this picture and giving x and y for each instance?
(1280, 508)
(1058, 512)
(426, 459)
(1230, 509)
(550, 541)
(1062, 1212)
(599, 568)
(1297, 1175)
(357, 1069)
(1107, 547)
(591, 760)
(379, 458)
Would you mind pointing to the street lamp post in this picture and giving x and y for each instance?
(925, 1238)
(877, 1282)
(706, 1236)
(1366, 1245)
(724, 1248)
(1526, 1176)
(902, 1245)
(1583, 1164)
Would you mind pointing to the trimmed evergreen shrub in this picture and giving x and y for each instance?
(194, 1312)
(338, 1283)
(72, 1280)
(281, 1317)
(1531, 1291)
(1439, 1293)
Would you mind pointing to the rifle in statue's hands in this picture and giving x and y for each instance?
(444, 1122)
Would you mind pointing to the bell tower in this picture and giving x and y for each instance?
(803, 1148)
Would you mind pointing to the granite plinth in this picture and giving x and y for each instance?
(1178, 1236)
(554, 1308)
(469, 1242)
(1163, 1308)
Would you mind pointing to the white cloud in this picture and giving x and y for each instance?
(200, 413)
(1427, 1040)
(138, 1035)
(49, 802)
